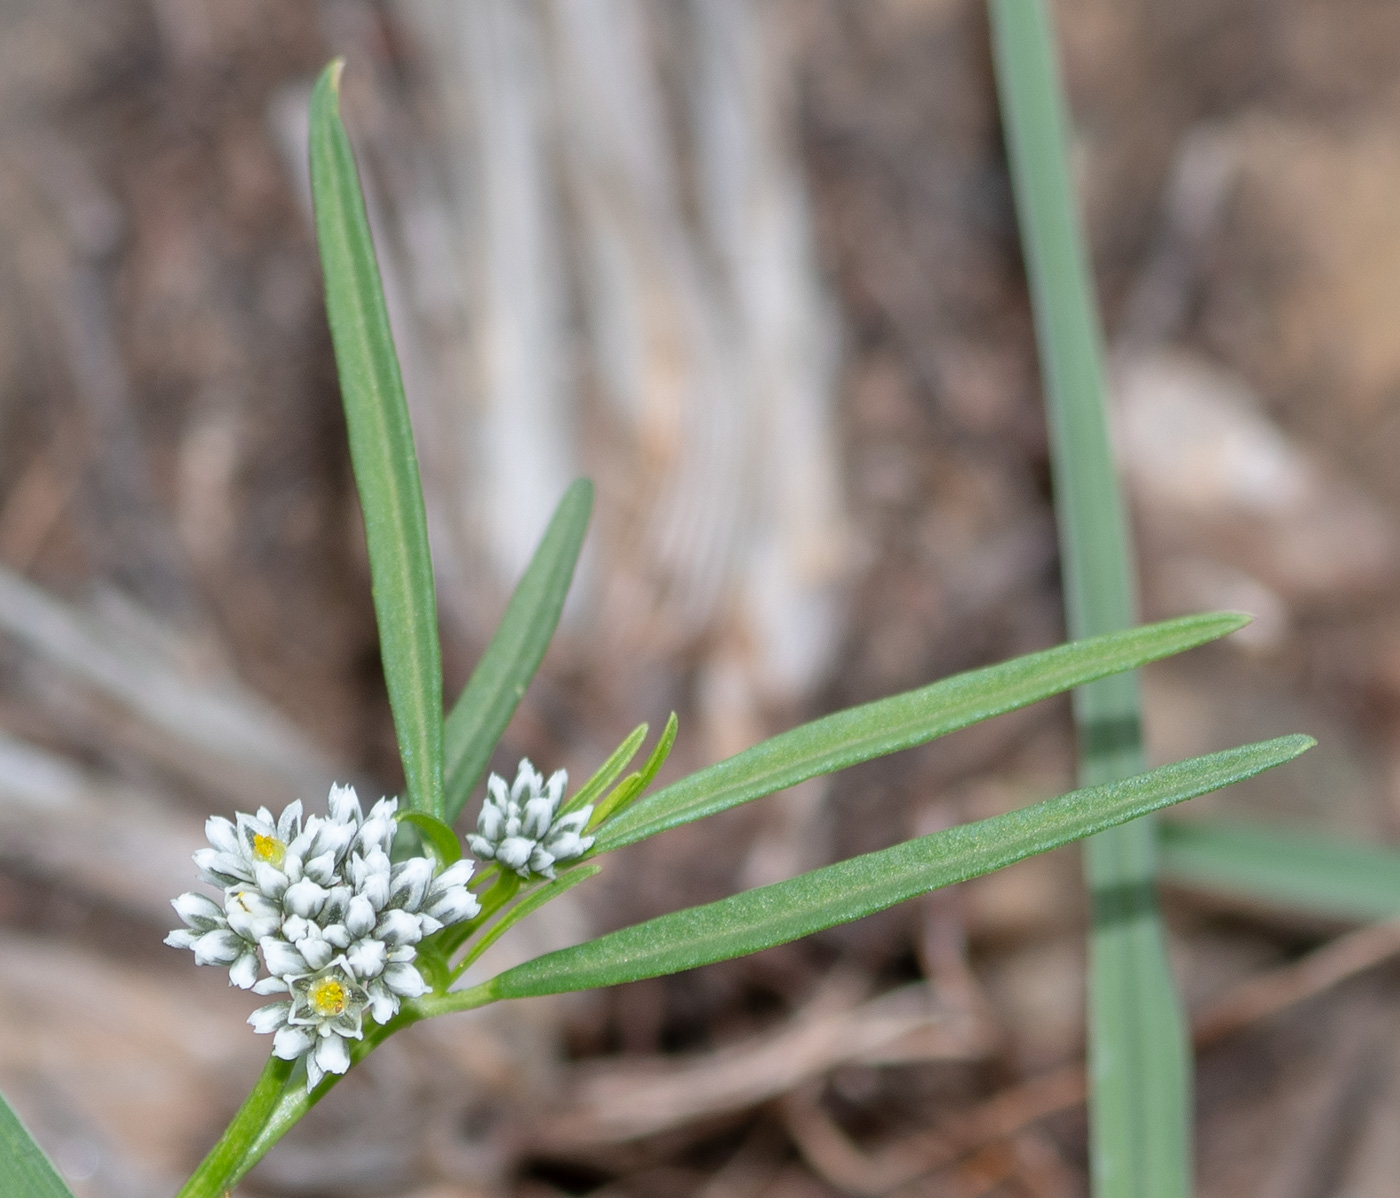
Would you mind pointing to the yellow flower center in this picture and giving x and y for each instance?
(328, 996)
(269, 848)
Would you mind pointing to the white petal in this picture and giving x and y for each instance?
(367, 958)
(219, 947)
(483, 848)
(360, 917)
(514, 853)
(318, 952)
(244, 972)
(182, 938)
(535, 821)
(271, 880)
(296, 928)
(345, 805)
(398, 927)
(555, 786)
(337, 934)
(304, 898)
(321, 868)
(404, 979)
(198, 911)
(526, 784)
(383, 1002)
(542, 861)
(268, 1019)
(291, 1042)
(496, 793)
(272, 985)
(281, 958)
(408, 883)
(252, 915)
(221, 834)
(459, 873)
(222, 869)
(332, 1055)
(455, 906)
(289, 824)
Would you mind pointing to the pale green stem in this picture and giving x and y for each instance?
(216, 1173)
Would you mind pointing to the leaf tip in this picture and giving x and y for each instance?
(1235, 619)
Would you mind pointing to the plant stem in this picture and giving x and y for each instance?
(215, 1175)
(275, 1106)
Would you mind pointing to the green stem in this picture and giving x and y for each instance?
(431, 1005)
(216, 1173)
(279, 1111)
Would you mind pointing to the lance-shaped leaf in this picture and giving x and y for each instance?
(381, 451)
(491, 696)
(1289, 869)
(769, 915)
(902, 721)
(25, 1172)
(1139, 1054)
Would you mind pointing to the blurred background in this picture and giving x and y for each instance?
(752, 266)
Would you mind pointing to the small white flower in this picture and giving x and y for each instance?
(325, 1009)
(521, 828)
(321, 906)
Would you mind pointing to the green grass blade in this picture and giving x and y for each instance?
(381, 451)
(902, 721)
(491, 696)
(633, 785)
(609, 772)
(25, 1171)
(757, 919)
(1139, 1057)
(1310, 873)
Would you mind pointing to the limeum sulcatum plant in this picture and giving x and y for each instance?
(354, 941)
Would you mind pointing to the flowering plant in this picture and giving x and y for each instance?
(359, 923)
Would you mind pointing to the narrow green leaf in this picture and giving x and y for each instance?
(530, 903)
(25, 1171)
(1139, 1057)
(661, 752)
(381, 451)
(634, 784)
(769, 915)
(902, 721)
(1335, 878)
(441, 839)
(497, 684)
(609, 771)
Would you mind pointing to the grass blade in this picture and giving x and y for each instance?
(757, 919)
(902, 721)
(381, 451)
(1289, 869)
(25, 1172)
(491, 696)
(1139, 1057)
(633, 785)
(609, 772)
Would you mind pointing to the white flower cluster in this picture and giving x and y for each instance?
(336, 923)
(521, 828)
